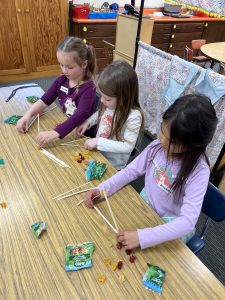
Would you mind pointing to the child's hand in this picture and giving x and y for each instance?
(23, 123)
(91, 144)
(88, 200)
(82, 128)
(46, 137)
(129, 239)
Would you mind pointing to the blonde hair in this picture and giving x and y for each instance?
(82, 53)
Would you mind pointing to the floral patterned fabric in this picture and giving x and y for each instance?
(182, 73)
(214, 8)
(214, 148)
(153, 70)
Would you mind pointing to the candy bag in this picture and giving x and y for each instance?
(32, 99)
(38, 228)
(12, 120)
(2, 162)
(79, 256)
(95, 170)
(154, 278)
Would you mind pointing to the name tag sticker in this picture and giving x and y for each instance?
(64, 89)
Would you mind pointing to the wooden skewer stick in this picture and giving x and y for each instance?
(71, 145)
(38, 123)
(107, 221)
(32, 121)
(87, 137)
(110, 210)
(42, 114)
(71, 190)
(83, 200)
(77, 140)
(73, 194)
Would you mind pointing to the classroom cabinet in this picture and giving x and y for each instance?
(29, 33)
(94, 34)
(173, 36)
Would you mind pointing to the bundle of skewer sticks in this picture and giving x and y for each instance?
(54, 158)
(50, 155)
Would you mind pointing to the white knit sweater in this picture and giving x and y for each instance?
(117, 152)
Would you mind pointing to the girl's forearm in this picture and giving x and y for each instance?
(36, 108)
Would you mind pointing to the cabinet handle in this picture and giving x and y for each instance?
(173, 36)
(85, 28)
(171, 46)
(19, 11)
(206, 24)
(91, 31)
(174, 26)
(27, 10)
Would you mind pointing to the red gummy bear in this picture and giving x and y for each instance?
(128, 251)
(119, 245)
(132, 258)
(120, 265)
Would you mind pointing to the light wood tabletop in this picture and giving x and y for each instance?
(216, 51)
(34, 268)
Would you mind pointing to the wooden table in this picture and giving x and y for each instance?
(33, 268)
(216, 51)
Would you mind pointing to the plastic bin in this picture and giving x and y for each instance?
(103, 15)
(80, 11)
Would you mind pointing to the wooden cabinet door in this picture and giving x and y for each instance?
(46, 22)
(14, 57)
(214, 32)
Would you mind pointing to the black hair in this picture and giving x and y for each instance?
(192, 122)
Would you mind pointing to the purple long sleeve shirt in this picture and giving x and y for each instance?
(76, 103)
(159, 175)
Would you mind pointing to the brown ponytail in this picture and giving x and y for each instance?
(91, 59)
(82, 53)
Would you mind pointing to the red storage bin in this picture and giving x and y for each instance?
(80, 11)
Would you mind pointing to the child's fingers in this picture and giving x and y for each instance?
(40, 139)
(88, 200)
(119, 234)
(26, 126)
(79, 130)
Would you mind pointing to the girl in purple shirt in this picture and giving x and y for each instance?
(176, 172)
(75, 90)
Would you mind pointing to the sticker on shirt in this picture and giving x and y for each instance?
(70, 107)
(64, 89)
(106, 124)
(164, 178)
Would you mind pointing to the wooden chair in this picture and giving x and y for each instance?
(222, 69)
(192, 54)
(108, 50)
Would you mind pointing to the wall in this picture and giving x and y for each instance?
(98, 3)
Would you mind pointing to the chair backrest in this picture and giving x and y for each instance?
(214, 204)
(188, 54)
(222, 69)
(196, 44)
(108, 51)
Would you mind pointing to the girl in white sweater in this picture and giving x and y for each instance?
(119, 117)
